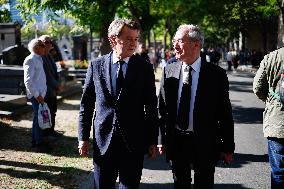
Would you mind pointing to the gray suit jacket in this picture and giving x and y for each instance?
(212, 117)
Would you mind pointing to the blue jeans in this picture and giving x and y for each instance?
(276, 160)
(36, 131)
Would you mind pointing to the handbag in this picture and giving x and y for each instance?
(44, 118)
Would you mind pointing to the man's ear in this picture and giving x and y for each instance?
(112, 40)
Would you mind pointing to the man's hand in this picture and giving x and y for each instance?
(226, 157)
(161, 149)
(152, 153)
(40, 99)
(83, 148)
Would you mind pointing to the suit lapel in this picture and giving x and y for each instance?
(171, 85)
(203, 77)
(107, 72)
(174, 70)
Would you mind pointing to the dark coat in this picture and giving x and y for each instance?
(52, 77)
(213, 122)
(135, 109)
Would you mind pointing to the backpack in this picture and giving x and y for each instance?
(281, 86)
(280, 95)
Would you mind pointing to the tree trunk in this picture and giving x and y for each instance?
(280, 24)
(165, 39)
(91, 38)
(149, 39)
(264, 35)
(105, 47)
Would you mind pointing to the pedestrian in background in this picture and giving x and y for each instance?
(229, 58)
(143, 52)
(196, 115)
(121, 87)
(266, 86)
(52, 82)
(35, 83)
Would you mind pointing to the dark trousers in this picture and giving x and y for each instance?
(184, 160)
(276, 160)
(118, 161)
(229, 65)
(52, 105)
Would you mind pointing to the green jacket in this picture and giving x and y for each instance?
(266, 87)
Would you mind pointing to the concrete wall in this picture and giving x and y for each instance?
(7, 38)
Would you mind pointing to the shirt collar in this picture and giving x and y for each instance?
(115, 59)
(196, 65)
(34, 54)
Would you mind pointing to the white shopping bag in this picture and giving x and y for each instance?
(44, 118)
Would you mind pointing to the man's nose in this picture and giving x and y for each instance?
(176, 45)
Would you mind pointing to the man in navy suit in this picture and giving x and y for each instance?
(196, 114)
(120, 87)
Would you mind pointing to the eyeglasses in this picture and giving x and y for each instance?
(180, 41)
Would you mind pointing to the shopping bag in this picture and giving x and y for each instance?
(44, 118)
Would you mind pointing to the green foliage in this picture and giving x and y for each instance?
(220, 19)
(5, 16)
(4, 12)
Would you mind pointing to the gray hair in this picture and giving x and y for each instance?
(194, 32)
(34, 43)
(116, 26)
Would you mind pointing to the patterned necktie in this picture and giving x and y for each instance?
(119, 79)
(184, 103)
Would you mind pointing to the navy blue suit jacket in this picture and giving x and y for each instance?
(135, 109)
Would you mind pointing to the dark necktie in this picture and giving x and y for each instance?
(184, 103)
(120, 78)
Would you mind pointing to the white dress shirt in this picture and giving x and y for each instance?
(34, 76)
(195, 76)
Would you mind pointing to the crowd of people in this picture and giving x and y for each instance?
(120, 91)
(234, 58)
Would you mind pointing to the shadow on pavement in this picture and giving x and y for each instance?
(19, 139)
(171, 186)
(229, 186)
(247, 115)
(241, 86)
(244, 74)
(156, 186)
(52, 174)
(240, 159)
(68, 106)
(158, 164)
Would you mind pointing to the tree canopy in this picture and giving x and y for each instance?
(4, 12)
(221, 20)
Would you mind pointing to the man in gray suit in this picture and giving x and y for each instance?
(52, 82)
(196, 114)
